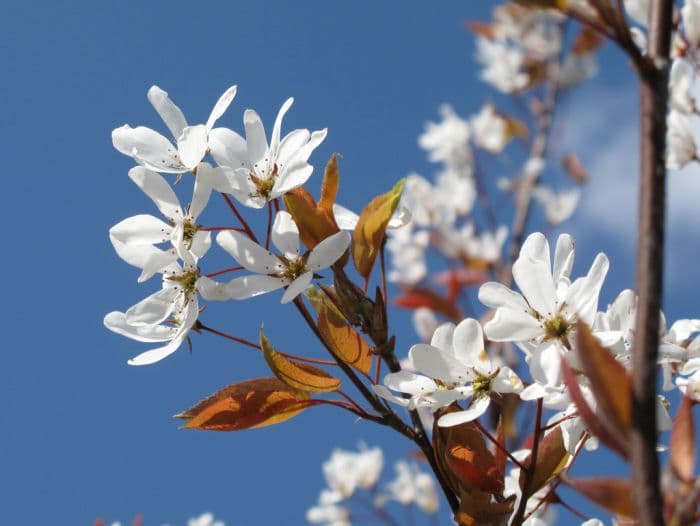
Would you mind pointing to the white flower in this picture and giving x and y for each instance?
(328, 512)
(576, 69)
(690, 386)
(448, 140)
(542, 318)
(638, 10)
(262, 172)
(679, 85)
(167, 315)
(491, 130)
(691, 21)
(134, 238)
(558, 207)
(407, 247)
(152, 150)
(465, 242)
(503, 65)
(205, 519)
(453, 367)
(680, 148)
(289, 269)
(454, 195)
(413, 486)
(346, 471)
(425, 323)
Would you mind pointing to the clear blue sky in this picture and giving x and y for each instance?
(82, 433)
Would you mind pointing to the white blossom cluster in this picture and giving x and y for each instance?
(348, 472)
(540, 319)
(252, 170)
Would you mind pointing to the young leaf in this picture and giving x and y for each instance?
(588, 416)
(610, 382)
(683, 441)
(247, 405)
(316, 221)
(297, 375)
(368, 235)
(345, 341)
(466, 457)
(551, 459)
(415, 297)
(611, 494)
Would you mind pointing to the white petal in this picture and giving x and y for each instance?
(248, 253)
(157, 261)
(328, 251)
(563, 257)
(290, 146)
(401, 217)
(468, 343)
(292, 176)
(285, 234)
(442, 337)
(533, 274)
(253, 285)
(545, 365)
(220, 107)
(142, 256)
(297, 286)
(305, 151)
(155, 355)
(582, 296)
(409, 383)
(213, 290)
(277, 128)
(438, 364)
(148, 148)
(116, 322)
(201, 243)
(475, 410)
(153, 309)
(387, 395)
(158, 189)
(141, 229)
(228, 148)
(496, 295)
(192, 145)
(506, 381)
(207, 178)
(344, 218)
(172, 115)
(511, 325)
(255, 136)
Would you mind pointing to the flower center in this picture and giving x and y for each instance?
(294, 268)
(189, 229)
(187, 280)
(556, 328)
(481, 385)
(264, 184)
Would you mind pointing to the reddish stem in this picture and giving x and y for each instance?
(269, 224)
(223, 271)
(243, 222)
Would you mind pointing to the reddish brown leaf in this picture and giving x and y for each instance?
(480, 29)
(246, 405)
(415, 297)
(466, 457)
(368, 236)
(610, 383)
(611, 494)
(551, 459)
(297, 375)
(587, 41)
(683, 441)
(574, 168)
(477, 508)
(499, 454)
(586, 413)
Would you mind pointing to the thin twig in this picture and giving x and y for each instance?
(519, 516)
(498, 444)
(238, 215)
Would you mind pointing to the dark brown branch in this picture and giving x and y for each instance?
(650, 249)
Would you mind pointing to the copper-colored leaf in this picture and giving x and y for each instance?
(499, 453)
(466, 458)
(588, 416)
(477, 508)
(368, 236)
(300, 376)
(551, 459)
(610, 383)
(614, 495)
(587, 41)
(315, 223)
(415, 297)
(516, 127)
(246, 405)
(683, 441)
(345, 341)
(574, 168)
(480, 29)
(329, 187)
